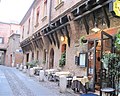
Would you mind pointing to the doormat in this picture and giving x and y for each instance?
(88, 94)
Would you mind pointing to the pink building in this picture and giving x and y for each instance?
(4, 35)
(9, 43)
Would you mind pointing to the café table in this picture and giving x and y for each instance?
(79, 83)
(49, 71)
(108, 91)
(67, 74)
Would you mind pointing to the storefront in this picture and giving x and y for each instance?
(103, 17)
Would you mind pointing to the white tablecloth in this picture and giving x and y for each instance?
(62, 73)
(82, 80)
(49, 71)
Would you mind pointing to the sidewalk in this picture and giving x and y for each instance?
(5, 89)
(53, 86)
(16, 83)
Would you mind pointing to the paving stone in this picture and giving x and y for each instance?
(20, 84)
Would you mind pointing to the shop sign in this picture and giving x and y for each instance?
(116, 7)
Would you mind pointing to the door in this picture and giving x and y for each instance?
(91, 68)
(51, 59)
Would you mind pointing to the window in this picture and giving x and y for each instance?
(45, 8)
(1, 40)
(28, 26)
(37, 15)
(23, 33)
(59, 4)
(83, 59)
(59, 1)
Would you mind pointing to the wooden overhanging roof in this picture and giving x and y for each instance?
(26, 45)
(82, 11)
(37, 40)
(33, 42)
(58, 27)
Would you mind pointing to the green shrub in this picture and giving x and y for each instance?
(62, 60)
(32, 64)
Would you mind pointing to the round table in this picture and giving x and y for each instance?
(107, 90)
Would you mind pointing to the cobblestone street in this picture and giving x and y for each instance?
(17, 83)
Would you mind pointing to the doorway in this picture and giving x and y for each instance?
(96, 48)
(51, 59)
(11, 60)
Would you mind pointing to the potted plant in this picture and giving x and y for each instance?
(62, 60)
(117, 41)
(82, 40)
(32, 64)
(111, 62)
(44, 62)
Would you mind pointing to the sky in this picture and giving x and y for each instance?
(13, 11)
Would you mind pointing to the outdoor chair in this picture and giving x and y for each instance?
(88, 94)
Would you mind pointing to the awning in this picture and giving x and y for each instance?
(37, 40)
(58, 27)
(26, 45)
(81, 13)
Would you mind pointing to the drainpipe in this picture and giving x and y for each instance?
(50, 9)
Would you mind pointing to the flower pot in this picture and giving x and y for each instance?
(84, 40)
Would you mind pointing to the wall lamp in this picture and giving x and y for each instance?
(62, 38)
(95, 29)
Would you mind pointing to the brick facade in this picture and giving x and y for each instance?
(75, 32)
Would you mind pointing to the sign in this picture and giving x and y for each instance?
(116, 7)
(19, 50)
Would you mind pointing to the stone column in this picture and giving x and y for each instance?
(24, 59)
(63, 83)
(35, 55)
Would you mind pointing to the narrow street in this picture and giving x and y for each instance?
(15, 83)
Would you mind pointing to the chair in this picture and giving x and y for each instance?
(88, 94)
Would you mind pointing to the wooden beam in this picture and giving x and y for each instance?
(61, 32)
(52, 37)
(31, 47)
(106, 17)
(86, 25)
(93, 18)
(39, 46)
(39, 43)
(45, 32)
(42, 41)
(23, 49)
(49, 39)
(62, 26)
(67, 34)
(64, 19)
(35, 43)
(57, 40)
(93, 9)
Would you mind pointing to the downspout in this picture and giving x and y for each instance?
(50, 9)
